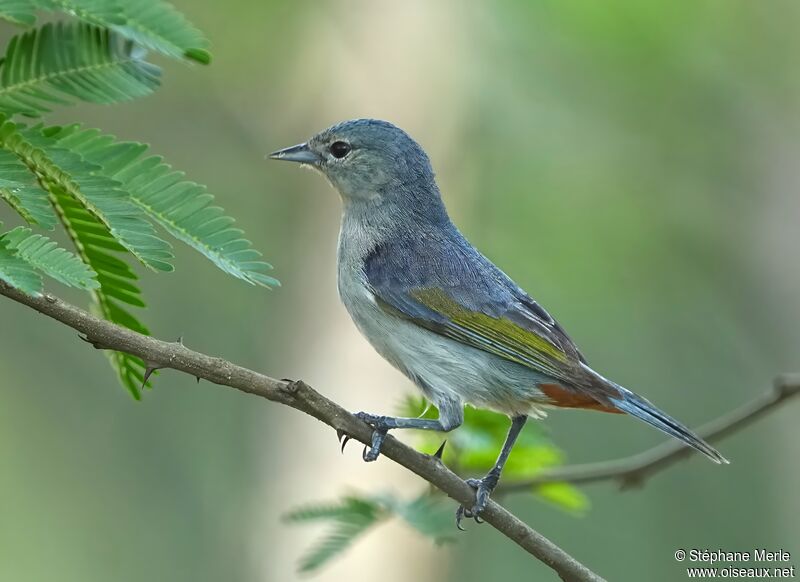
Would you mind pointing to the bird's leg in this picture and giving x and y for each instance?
(484, 487)
(450, 416)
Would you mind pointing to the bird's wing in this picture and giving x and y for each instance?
(473, 302)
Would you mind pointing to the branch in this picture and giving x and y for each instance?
(634, 470)
(296, 394)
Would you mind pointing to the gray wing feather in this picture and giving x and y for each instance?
(446, 261)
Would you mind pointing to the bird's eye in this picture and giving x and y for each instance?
(339, 149)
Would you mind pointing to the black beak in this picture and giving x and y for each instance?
(300, 153)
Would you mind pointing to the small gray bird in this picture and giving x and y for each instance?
(441, 312)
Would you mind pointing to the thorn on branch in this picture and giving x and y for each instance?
(440, 451)
(149, 369)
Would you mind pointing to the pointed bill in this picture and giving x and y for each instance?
(300, 153)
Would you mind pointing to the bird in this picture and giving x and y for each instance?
(441, 312)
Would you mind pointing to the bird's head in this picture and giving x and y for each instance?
(367, 159)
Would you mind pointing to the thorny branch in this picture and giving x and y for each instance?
(159, 354)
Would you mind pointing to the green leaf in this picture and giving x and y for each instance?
(48, 257)
(100, 196)
(428, 514)
(103, 13)
(18, 187)
(185, 209)
(350, 507)
(61, 63)
(527, 460)
(21, 12)
(17, 272)
(98, 248)
(352, 517)
(564, 495)
(473, 449)
(157, 25)
(153, 24)
(334, 543)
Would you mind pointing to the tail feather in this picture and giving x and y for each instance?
(639, 407)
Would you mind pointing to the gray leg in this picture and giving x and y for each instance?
(484, 487)
(451, 415)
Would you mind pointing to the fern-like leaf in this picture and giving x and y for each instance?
(17, 272)
(101, 222)
(21, 12)
(154, 24)
(19, 189)
(100, 12)
(185, 209)
(99, 195)
(334, 543)
(157, 25)
(66, 62)
(354, 515)
(98, 248)
(351, 518)
(48, 257)
(326, 511)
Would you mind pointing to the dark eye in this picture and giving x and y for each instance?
(339, 149)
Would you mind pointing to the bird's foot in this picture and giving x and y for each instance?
(483, 488)
(381, 428)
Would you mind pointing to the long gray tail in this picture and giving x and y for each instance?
(639, 407)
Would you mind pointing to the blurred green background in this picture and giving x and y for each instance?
(632, 164)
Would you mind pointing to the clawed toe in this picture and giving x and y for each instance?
(343, 439)
(483, 488)
(463, 512)
(380, 426)
(378, 423)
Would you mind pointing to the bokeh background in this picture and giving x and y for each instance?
(634, 165)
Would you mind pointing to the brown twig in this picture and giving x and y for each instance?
(634, 470)
(159, 354)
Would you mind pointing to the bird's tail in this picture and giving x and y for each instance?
(639, 407)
